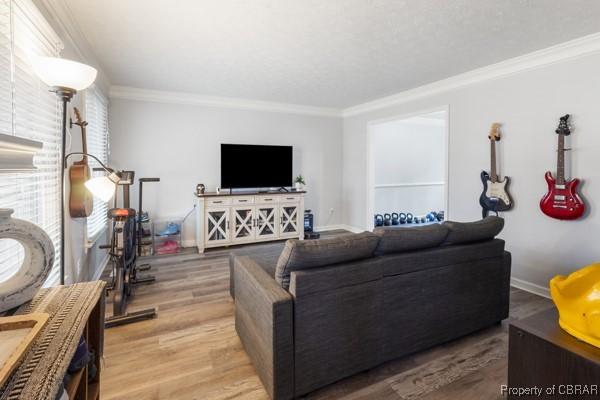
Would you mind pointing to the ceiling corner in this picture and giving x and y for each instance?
(71, 33)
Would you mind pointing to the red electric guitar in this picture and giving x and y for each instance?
(562, 200)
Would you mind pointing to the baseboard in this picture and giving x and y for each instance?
(338, 227)
(530, 287)
(188, 243)
(100, 269)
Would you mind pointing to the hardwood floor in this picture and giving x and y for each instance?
(191, 350)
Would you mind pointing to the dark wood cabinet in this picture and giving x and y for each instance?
(544, 357)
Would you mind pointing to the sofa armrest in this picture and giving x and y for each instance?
(264, 323)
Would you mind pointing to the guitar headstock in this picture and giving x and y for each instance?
(80, 120)
(495, 132)
(563, 126)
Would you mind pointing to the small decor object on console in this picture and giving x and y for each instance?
(200, 188)
(39, 258)
(299, 183)
(495, 196)
(562, 200)
(577, 298)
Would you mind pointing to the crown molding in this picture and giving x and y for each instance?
(576, 48)
(159, 96)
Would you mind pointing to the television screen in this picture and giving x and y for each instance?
(253, 166)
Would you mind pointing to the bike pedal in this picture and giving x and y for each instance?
(144, 267)
(144, 279)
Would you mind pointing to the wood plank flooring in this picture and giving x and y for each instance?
(191, 350)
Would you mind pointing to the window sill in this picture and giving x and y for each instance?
(91, 242)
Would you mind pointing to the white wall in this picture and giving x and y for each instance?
(181, 145)
(407, 152)
(528, 104)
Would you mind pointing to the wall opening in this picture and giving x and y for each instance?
(408, 165)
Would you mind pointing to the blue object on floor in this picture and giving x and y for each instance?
(171, 229)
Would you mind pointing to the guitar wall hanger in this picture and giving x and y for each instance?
(81, 124)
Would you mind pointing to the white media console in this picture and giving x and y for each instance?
(240, 218)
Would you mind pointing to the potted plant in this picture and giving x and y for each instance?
(299, 182)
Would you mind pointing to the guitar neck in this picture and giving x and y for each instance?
(493, 173)
(560, 162)
(84, 159)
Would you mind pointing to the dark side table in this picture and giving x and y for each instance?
(550, 363)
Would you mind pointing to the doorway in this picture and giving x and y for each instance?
(408, 165)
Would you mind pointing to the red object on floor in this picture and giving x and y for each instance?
(168, 247)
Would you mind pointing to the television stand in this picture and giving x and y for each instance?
(243, 218)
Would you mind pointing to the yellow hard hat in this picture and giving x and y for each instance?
(577, 298)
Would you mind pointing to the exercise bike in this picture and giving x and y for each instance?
(123, 257)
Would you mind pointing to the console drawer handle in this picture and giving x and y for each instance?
(217, 201)
(243, 201)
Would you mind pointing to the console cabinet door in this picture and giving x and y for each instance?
(267, 226)
(216, 222)
(242, 227)
(289, 221)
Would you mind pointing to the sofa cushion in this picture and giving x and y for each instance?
(467, 232)
(305, 254)
(397, 240)
(441, 256)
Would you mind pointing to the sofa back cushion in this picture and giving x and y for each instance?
(398, 240)
(305, 254)
(467, 232)
(440, 256)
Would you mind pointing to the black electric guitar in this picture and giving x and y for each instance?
(495, 195)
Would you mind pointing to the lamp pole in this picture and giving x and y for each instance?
(65, 94)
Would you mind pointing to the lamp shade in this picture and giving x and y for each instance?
(58, 72)
(103, 186)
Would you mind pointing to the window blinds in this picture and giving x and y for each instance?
(29, 110)
(96, 115)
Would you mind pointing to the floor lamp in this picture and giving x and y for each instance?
(65, 77)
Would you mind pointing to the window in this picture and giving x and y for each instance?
(96, 115)
(29, 110)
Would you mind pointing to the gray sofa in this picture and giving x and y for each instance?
(326, 309)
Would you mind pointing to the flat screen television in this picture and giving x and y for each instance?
(245, 166)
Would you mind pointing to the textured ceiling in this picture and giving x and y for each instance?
(333, 53)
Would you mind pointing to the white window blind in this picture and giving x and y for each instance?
(29, 110)
(96, 115)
